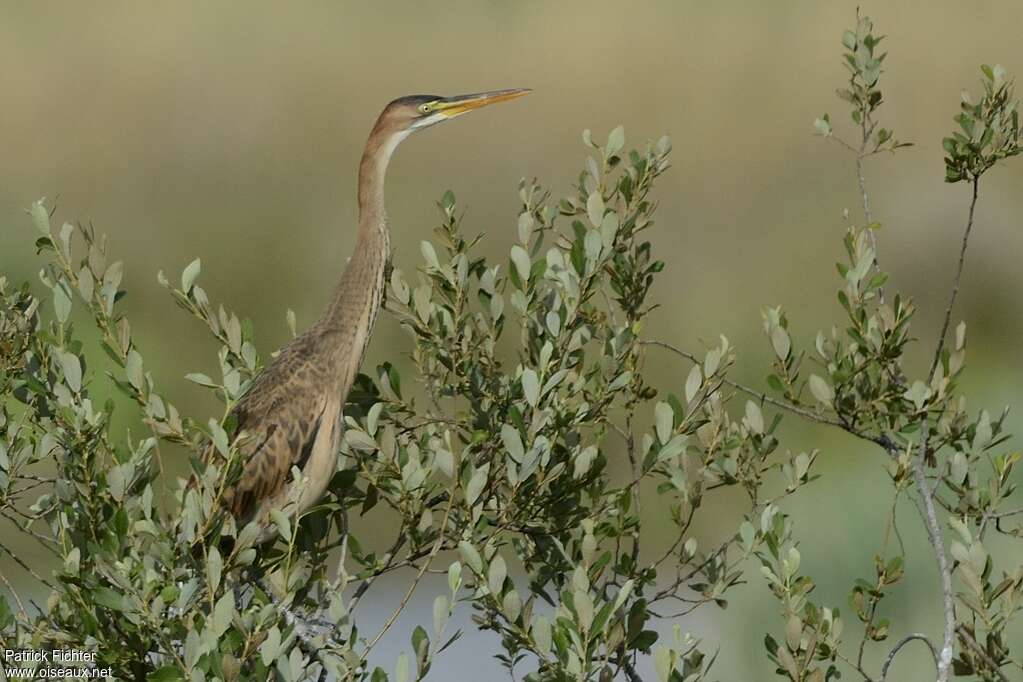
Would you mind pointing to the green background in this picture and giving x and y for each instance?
(232, 131)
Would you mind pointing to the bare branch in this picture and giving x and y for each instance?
(903, 642)
(955, 282)
(418, 577)
(930, 517)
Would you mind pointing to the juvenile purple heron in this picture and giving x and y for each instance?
(292, 411)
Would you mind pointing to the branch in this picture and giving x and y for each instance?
(867, 126)
(927, 510)
(955, 283)
(28, 569)
(630, 671)
(415, 582)
(979, 650)
(933, 528)
(389, 562)
(903, 642)
(882, 440)
(762, 397)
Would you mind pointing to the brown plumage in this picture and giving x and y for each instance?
(291, 414)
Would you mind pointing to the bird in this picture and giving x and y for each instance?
(291, 414)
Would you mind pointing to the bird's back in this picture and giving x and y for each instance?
(291, 418)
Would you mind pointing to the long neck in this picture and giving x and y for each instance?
(375, 157)
(356, 301)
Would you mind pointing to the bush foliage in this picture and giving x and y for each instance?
(529, 379)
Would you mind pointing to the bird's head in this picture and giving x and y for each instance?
(416, 112)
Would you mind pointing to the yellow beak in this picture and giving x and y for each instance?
(459, 104)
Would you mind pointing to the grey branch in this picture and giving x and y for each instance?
(903, 642)
(927, 509)
(956, 281)
(930, 517)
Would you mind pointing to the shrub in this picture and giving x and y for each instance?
(529, 379)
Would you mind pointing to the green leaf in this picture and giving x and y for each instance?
(476, 485)
(522, 263)
(623, 594)
(220, 439)
(168, 673)
(271, 646)
(201, 379)
(754, 417)
(983, 433)
(401, 668)
(665, 417)
(454, 576)
(223, 613)
(530, 386)
(72, 370)
(595, 208)
(821, 390)
(214, 568)
(420, 643)
(445, 461)
(133, 369)
(40, 217)
(592, 244)
(693, 383)
(61, 302)
(282, 522)
(541, 632)
(512, 442)
(780, 342)
(470, 556)
(496, 574)
(104, 596)
(360, 440)
(662, 663)
(615, 142)
(440, 614)
(190, 274)
(429, 254)
(583, 461)
(511, 605)
(525, 226)
(918, 394)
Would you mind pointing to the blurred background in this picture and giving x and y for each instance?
(232, 131)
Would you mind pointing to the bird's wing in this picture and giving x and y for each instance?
(282, 414)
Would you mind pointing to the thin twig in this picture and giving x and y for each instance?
(47, 543)
(630, 671)
(903, 642)
(14, 594)
(762, 397)
(26, 567)
(1002, 515)
(852, 664)
(956, 281)
(415, 582)
(979, 650)
(927, 509)
(882, 440)
(368, 582)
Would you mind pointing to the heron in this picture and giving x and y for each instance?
(291, 415)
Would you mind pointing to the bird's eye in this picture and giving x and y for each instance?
(424, 108)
